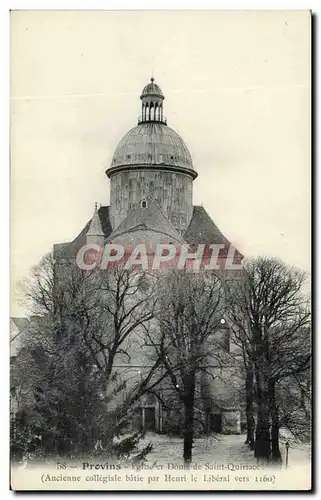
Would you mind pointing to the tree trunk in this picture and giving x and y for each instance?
(262, 449)
(262, 435)
(189, 391)
(276, 454)
(188, 433)
(250, 421)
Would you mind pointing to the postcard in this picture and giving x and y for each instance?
(160, 329)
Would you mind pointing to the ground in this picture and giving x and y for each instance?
(216, 448)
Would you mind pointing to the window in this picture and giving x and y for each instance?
(143, 203)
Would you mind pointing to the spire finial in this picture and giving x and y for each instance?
(95, 229)
(152, 79)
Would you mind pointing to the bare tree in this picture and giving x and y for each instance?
(294, 405)
(240, 329)
(290, 356)
(268, 311)
(84, 326)
(188, 316)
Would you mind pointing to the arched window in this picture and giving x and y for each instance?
(151, 111)
(146, 112)
(143, 203)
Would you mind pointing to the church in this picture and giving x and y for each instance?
(151, 188)
(151, 178)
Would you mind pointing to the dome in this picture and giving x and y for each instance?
(152, 144)
(152, 89)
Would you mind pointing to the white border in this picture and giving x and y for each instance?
(5, 6)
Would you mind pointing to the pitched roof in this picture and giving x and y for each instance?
(70, 248)
(202, 229)
(150, 217)
(95, 228)
(21, 323)
(103, 213)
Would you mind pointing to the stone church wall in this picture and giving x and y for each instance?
(172, 191)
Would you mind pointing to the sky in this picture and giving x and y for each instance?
(237, 89)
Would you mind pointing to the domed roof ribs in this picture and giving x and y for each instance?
(152, 142)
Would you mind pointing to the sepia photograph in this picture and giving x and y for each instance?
(160, 219)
